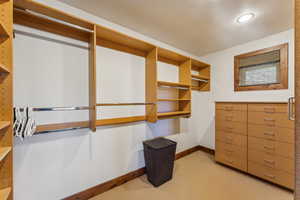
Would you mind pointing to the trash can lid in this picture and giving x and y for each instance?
(159, 143)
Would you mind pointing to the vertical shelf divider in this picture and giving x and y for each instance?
(185, 78)
(151, 86)
(6, 101)
(92, 81)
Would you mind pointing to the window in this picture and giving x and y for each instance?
(265, 69)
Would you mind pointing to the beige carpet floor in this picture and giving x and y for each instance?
(198, 177)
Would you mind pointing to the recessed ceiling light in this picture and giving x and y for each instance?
(245, 18)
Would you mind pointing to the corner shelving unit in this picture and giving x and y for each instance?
(178, 100)
(200, 80)
(6, 103)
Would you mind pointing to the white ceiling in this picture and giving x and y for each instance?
(196, 26)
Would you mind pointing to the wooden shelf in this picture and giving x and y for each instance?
(170, 57)
(118, 41)
(4, 193)
(171, 84)
(3, 152)
(4, 124)
(54, 13)
(3, 32)
(196, 64)
(3, 69)
(174, 99)
(170, 114)
(32, 20)
(200, 77)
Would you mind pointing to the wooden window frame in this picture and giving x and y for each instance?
(283, 69)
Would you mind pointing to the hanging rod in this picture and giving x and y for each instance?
(123, 104)
(175, 87)
(58, 130)
(199, 79)
(60, 108)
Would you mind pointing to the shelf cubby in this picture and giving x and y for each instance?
(4, 193)
(171, 84)
(200, 80)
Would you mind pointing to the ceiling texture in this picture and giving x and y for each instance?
(199, 27)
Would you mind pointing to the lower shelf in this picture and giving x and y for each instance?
(4, 193)
(170, 114)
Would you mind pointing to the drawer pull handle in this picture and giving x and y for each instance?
(270, 176)
(228, 127)
(269, 134)
(272, 162)
(228, 108)
(228, 118)
(269, 148)
(228, 151)
(269, 110)
(269, 119)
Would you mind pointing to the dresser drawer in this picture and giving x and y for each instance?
(232, 150)
(270, 119)
(272, 133)
(233, 161)
(270, 174)
(232, 127)
(231, 116)
(272, 147)
(231, 138)
(272, 161)
(268, 108)
(231, 106)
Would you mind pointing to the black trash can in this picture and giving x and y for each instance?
(159, 158)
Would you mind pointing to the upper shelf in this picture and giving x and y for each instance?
(52, 12)
(115, 40)
(170, 57)
(203, 77)
(171, 84)
(197, 65)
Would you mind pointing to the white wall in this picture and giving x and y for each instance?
(47, 73)
(222, 75)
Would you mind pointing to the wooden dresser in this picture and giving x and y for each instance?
(256, 138)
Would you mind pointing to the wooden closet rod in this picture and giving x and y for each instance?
(124, 104)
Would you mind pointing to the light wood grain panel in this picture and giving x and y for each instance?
(231, 106)
(42, 23)
(270, 174)
(231, 138)
(270, 119)
(232, 127)
(151, 85)
(297, 97)
(272, 133)
(272, 161)
(52, 12)
(231, 116)
(92, 81)
(271, 147)
(268, 108)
